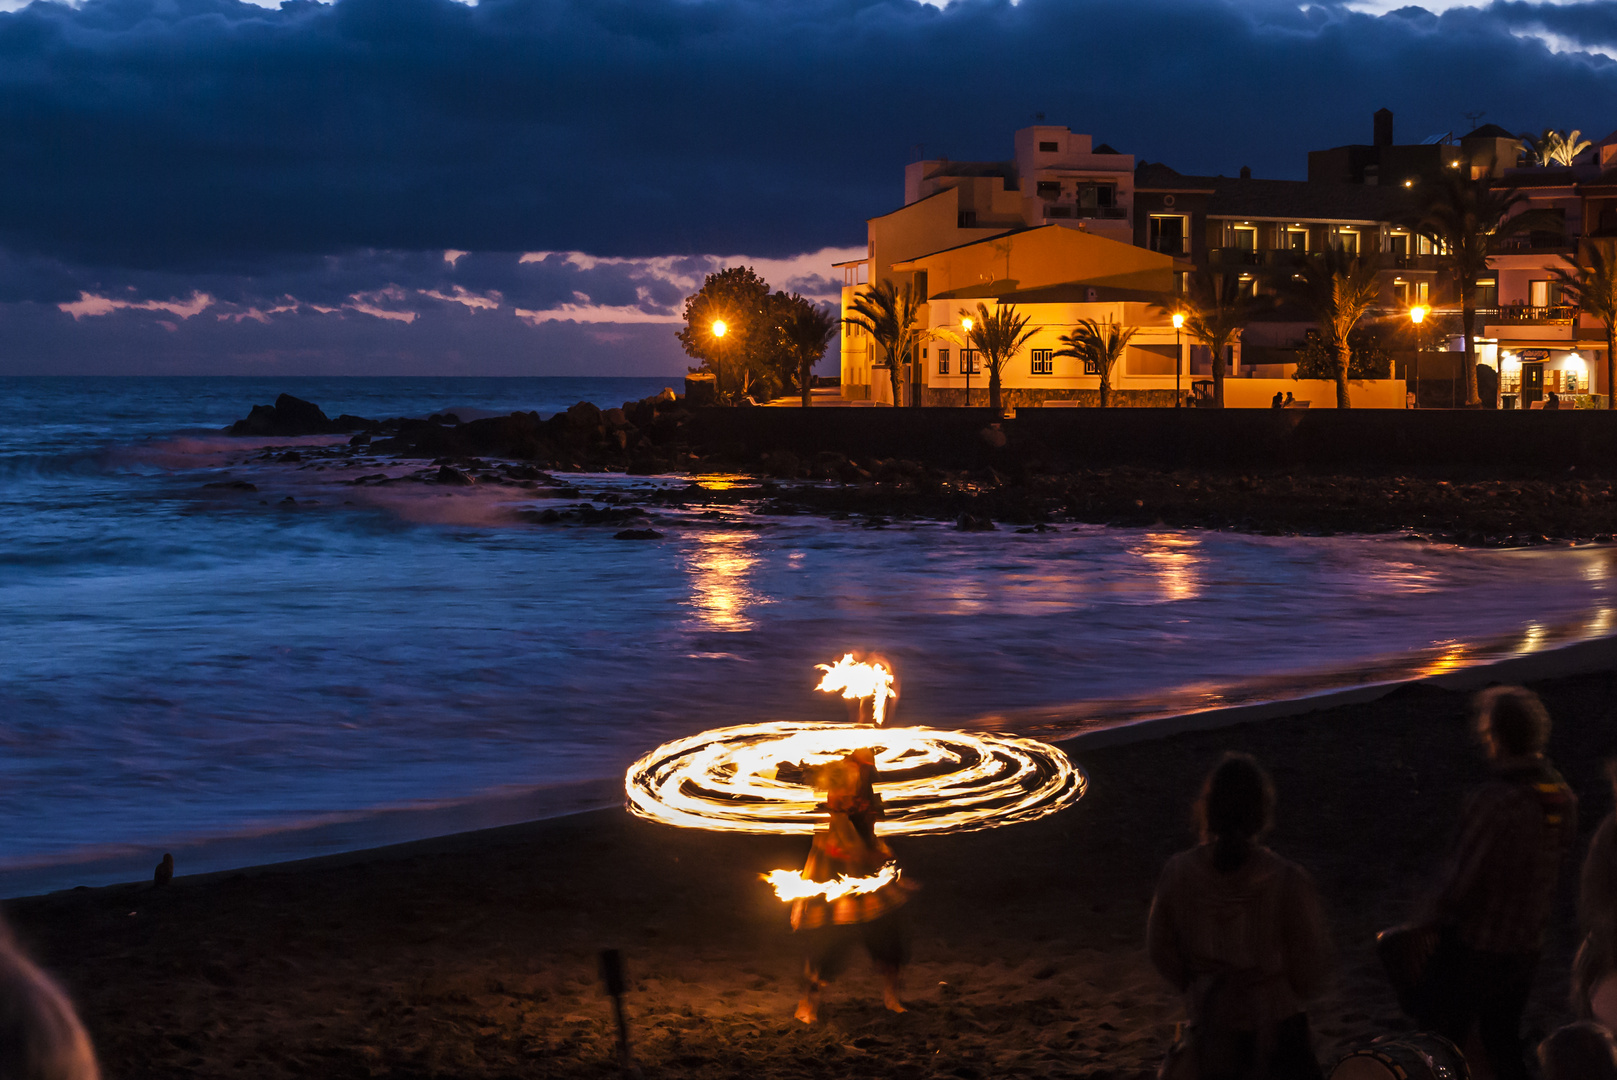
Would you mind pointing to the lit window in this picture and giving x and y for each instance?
(968, 362)
(943, 361)
(1347, 241)
(1042, 362)
(1423, 292)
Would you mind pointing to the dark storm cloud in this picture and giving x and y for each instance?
(202, 136)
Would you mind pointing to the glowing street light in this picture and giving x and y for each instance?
(1178, 354)
(720, 328)
(1417, 315)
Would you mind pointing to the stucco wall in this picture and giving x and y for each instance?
(1319, 393)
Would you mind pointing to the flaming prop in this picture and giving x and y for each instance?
(860, 680)
(792, 885)
(731, 780)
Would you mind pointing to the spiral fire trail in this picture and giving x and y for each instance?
(931, 781)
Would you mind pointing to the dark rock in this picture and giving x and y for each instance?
(232, 485)
(447, 419)
(450, 475)
(290, 455)
(294, 416)
(164, 872)
(637, 534)
(974, 523)
(362, 439)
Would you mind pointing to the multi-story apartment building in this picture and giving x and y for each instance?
(1054, 226)
(1538, 341)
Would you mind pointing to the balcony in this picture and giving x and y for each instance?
(1230, 256)
(1111, 213)
(1527, 315)
(1412, 262)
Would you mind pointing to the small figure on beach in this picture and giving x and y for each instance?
(1594, 969)
(1494, 896)
(1240, 932)
(848, 848)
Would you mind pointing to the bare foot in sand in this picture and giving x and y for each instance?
(890, 996)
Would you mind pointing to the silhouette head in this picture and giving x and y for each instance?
(1236, 807)
(1511, 721)
(1583, 1051)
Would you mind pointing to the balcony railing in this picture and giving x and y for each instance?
(1525, 314)
(1230, 256)
(1113, 213)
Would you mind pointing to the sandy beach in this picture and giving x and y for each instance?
(475, 955)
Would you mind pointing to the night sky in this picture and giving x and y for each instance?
(532, 186)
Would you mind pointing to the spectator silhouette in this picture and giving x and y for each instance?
(1494, 895)
(1594, 970)
(1277, 401)
(1238, 930)
(40, 1034)
(1581, 1051)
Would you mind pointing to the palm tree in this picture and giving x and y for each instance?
(1468, 219)
(890, 315)
(1100, 344)
(997, 337)
(1214, 316)
(1592, 286)
(1340, 289)
(1553, 148)
(805, 331)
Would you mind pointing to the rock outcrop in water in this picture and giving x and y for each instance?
(643, 436)
(294, 416)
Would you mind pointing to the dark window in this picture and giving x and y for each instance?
(1398, 244)
(1048, 189)
(1487, 296)
(1042, 364)
(968, 362)
(1091, 366)
(1167, 234)
(1049, 147)
(1095, 196)
(968, 219)
(943, 361)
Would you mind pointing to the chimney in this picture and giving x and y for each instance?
(1246, 172)
(1383, 125)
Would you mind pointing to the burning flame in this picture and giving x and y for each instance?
(792, 885)
(859, 680)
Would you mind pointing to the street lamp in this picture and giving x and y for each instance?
(1178, 355)
(720, 328)
(965, 356)
(1417, 315)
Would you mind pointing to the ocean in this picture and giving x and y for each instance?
(237, 678)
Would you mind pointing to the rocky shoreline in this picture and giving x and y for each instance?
(652, 437)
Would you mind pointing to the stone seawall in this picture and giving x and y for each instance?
(1375, 440)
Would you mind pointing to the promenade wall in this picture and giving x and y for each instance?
(1374, 439)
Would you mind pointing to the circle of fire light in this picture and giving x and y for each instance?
(930, 781)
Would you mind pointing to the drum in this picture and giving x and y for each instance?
(1416, 1056)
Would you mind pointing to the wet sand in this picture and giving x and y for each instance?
(475, 955)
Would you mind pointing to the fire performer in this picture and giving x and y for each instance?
(862, 891)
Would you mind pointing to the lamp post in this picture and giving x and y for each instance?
(1417, 315)
(965, 356)
(719, 330)
(1178, 356)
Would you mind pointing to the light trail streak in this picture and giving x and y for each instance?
(930, 781)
